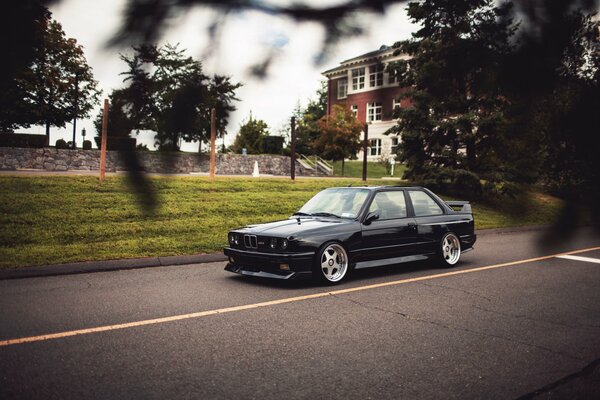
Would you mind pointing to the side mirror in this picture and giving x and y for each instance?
(372, 216)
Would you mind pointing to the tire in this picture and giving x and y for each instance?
(331, 264)
(449, 250)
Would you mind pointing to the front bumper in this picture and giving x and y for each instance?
(269, 265)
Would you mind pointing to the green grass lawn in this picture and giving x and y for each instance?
(58, 219)
(375, 170)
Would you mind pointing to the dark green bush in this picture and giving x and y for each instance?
(22, 140)
(61, 144)
(87, 145)
(271, 145)
(467, 184)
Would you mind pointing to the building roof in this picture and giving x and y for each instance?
(383, 52)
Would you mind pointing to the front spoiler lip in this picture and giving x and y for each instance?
(263, 274)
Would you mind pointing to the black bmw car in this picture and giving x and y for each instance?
(341, 229)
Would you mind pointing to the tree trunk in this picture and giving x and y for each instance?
(470, 154)
(47, 133)
(199, 146)
(343, 164)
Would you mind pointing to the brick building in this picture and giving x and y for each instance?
(362, 84)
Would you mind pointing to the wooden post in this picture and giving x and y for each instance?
(293, 150)
(103, 140)
(365, 145)
(213, 138)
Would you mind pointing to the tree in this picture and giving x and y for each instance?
(168, 93)
(340, 135)
(250, 136)
(58, 85)
(307, 130)
(456, 100)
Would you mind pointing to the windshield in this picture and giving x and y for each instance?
(336, 202)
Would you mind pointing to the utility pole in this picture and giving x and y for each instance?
(293, 150)
(213, 138)
(365, 146)
(103, 140)
(75, 108)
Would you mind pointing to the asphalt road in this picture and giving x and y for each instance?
(529, 328)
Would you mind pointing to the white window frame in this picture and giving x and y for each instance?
(376, 75)
(396, 103)
(374, 147)
(394, 147)
(354, 109)
(342, 87)
(358, 78)
(374, 112)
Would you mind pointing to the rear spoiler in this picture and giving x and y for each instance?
(465, 207)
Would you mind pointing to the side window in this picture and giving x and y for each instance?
(390, 205)
(423, 204)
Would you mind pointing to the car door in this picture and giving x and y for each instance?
(392, 233)
(429, 216)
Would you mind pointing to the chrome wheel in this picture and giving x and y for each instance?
(334, 262)
(450, 249)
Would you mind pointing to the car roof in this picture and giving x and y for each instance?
(373, 188)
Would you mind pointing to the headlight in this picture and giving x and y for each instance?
(231, 238)
(284, 244)
(273, 243)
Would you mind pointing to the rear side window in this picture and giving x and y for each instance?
(389, 205)
(423, 204)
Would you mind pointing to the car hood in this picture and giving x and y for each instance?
(292, 226)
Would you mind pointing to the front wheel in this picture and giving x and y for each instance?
(331, 266)
(449, 251)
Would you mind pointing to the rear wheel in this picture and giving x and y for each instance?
(449, 251)
(331, 264)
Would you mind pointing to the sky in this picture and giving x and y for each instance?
(247, 37)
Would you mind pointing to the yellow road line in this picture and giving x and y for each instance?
(201, 314)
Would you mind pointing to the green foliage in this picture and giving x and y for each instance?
(61, 144)
(456, 102)
(87, 145)
(307, 130)
(22, 140)
(340, 135)
(58, 84)
(251, 136)
(169, 94)
(272, 145)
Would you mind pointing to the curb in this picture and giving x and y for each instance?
(109, 265)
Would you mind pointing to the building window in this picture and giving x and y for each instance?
(358, 78)
(375, 147)
(396, 104)
(373, 112)
(394, 146)
(354, 109)
(342, 88)
(392, 79)
(376, 75)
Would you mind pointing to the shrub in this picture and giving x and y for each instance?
(87, 145)
(467, 184)
(61, 144)
(22, 140)
(117, 143)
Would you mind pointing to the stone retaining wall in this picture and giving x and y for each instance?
(51, 159)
